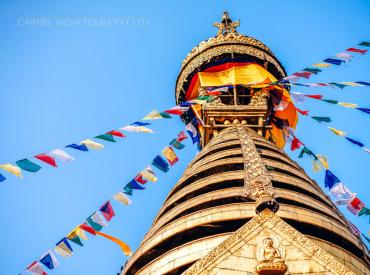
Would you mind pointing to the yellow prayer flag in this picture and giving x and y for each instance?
(316, 166)
(77, 232)
(324, 161)
(170, 155)
(121, 197)
(353, 84)
(149, 175)
(92, 144)
(337, 132)
(15, 170)
(63, 250)
(153, 115)
(348, 105)
(322, 65)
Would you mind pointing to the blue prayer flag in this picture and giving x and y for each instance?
(355, 142)
(139, 123)
(2, 178)
(330, 179)
(364, 110)
(81, 147)
(363, 83)
(160, 163)
(333, 61)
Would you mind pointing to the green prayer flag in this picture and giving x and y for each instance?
(106, 137)
(165, 115)
(312, 70)
(321, 119)
(330, 101)
(366, 44)
(341, 86)
(364, 211)
(307, 151)
(27, 165)
(96, 226)
(128, 190)
(175, 144)
(76, 240)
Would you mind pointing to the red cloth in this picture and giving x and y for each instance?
(139, 178)
(107, 211)
(354, 50)
(116, 133)
(314, 96)
(296, 143)
(48, 159)
(355, 205)
(175, 111)
(88, 228)
(181, 136)
(302, 112)
(303, 74)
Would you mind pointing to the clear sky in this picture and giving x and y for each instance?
(63, 81)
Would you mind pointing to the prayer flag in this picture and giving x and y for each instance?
(341, 86)
(364, 110)
(323, 160)
(74, 237)
(365, 44)
(48, 159)
(137, 129)
(314, 96)
(99, 218)
(49, 260)
(116, 133)
(128, 189)
(139, 123)
(36, 269)
(160, 163)
(124, 247)
(348, 105)
(175, 144)
(177, 110)
(2, 178)
(334, 61)
(312, 70)
(321, 65)
(81, 147)
(296, 143)
(342, 202)
(303, 74)
(96, 226)
(302, 112)
(139, 179)
(86, 227)
(330, 101)
(12, 169)
(149, 174)
(106, 137)
(330, 179)
(59, 153)
(337, 132)
(298, 97)
(355, 142)
(305, 150)
(355, 50)
(92, 144)
(165, 115)
(27, 165)
(181, 136)
(354, 229)
(107, 211)
(153, 115)
(121, 197)
(193, 133)
(321, 119)
(364, 211)
(293, 78)
(316, 166)
(363, 83)
(63, 248)
(353, 84)
(355, 205)
(170, 155)
(344, 56)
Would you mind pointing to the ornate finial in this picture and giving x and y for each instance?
(226, 25)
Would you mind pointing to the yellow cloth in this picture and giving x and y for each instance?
(170, 155)
(63, 250)
(153, 115)
(77, 232)
(149, 176)
(121, 197)
(15, 170)
(337, 132)
(92, 144)
(322, 65)
(251, 74)
(324, 161)
(348, 105)
(125, 248)
(353, 84)
(316, 166)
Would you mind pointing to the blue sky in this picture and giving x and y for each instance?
(61, 83)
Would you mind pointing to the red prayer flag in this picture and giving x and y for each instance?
(48, 159)
(303, 74)
(354, 50)
(139, 178)
(87, 228)
(355, 205)
(181, 136)
(302, 112)
(314, 96)
(107, 211)
(296, 143)
(116, 133)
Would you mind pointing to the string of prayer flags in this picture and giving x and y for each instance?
(160, 163)
(10, 168)
(49, 260)
(59, 153)
(106, 137)
(63, 248)
(116, 133)
(81, 147)
(107, 210)
(36, 269)
(122, 198)
(170, 155)
(47, 159)
(149, 174)
(92, 144)
(28, 165)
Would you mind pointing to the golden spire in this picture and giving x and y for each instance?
(226, 25)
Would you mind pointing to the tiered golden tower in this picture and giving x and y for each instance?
(243, 206)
